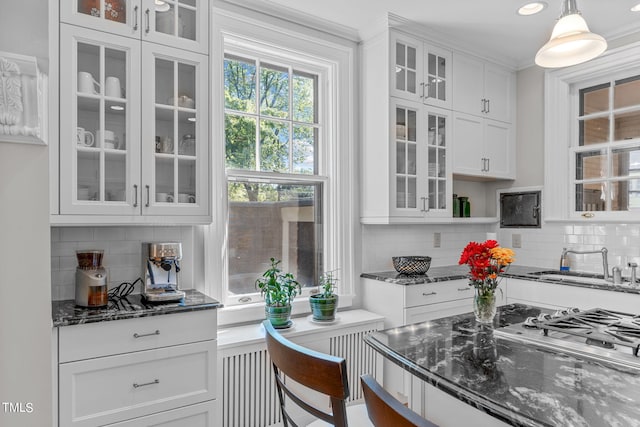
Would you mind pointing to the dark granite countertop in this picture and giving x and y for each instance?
(456, 272)
(66, 313)
(521, 384)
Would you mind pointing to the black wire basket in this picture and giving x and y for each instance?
(411, 264)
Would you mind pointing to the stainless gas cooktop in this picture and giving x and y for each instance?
(603, 335)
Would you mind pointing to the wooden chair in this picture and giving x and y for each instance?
(385, 411)
(318, 371)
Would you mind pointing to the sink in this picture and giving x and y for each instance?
(573, 277)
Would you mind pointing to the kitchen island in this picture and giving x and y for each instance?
(464, 374)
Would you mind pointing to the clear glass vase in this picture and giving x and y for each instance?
(484, 307)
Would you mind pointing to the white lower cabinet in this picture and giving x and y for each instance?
(445, 410)
(407, 304)
(200, 415)
(154, 373)
(553, 295)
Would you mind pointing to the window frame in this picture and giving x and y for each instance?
(336, 160)
(561, 103)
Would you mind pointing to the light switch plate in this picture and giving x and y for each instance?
(436, 240)
(516, 240)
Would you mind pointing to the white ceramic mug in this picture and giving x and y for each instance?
(112, 144)
(112, 87)
(164, 197)
(186, 198)
(105, 136)
(164, 145)
(86, 83)
(84, 137)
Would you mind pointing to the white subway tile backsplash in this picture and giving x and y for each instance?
(76, 234)
(122, 258)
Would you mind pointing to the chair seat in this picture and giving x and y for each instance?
(356, 417)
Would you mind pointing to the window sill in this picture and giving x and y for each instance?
(251, 313)
(236, 336)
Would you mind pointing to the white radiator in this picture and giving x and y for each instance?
(248, 396)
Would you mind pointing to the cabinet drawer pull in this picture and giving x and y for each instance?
(148, 197)
(156, 381)
(488, 106)
(424, 294)
(484, 103)
(135, 195)
(464, 289)
(135, 18)
(137, 335)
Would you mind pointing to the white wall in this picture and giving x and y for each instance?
(25, 291)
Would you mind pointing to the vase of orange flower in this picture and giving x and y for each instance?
(486, 262)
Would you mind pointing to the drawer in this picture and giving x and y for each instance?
(200, 415)
(117, 388)
(432, 293)
(90, 340)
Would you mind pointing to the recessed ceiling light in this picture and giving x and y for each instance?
(636, 8)
(532, 8)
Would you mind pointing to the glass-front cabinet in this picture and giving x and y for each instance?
(130, 139)
(421, 160)
(175, 113)
(420, 72)
(180, 23)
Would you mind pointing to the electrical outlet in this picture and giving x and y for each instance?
(516, 240)
(436, 240)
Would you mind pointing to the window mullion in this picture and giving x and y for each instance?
(290, 124)
(258, 114)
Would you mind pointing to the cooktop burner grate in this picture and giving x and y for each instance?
(604, 327)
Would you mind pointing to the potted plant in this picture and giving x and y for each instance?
(325, 303)
(278, 289)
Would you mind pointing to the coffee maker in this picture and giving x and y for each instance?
(91, 280)
(160, 271)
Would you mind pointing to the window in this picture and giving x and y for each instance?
(275, 193)
(592, 139)
(607, 150)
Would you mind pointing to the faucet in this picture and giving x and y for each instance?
(633, 267)
(603, 251)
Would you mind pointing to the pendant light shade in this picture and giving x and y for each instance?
(571, 41)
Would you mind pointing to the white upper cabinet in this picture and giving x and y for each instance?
(482, 88)
(483, 148)
(406, 154)
(179, 23)
(419, 72)
(134, 145)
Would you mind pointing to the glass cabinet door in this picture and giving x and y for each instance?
(437, 77)
(120, 17)
(438, 174)
(406, 68)
(406, 159)
(179, 23)
(98, 123)
(175, 142)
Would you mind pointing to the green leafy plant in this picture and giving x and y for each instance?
(278, 288)
(328, 283)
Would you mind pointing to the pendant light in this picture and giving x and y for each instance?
(571, 41)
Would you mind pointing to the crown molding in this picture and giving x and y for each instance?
(293, 16)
